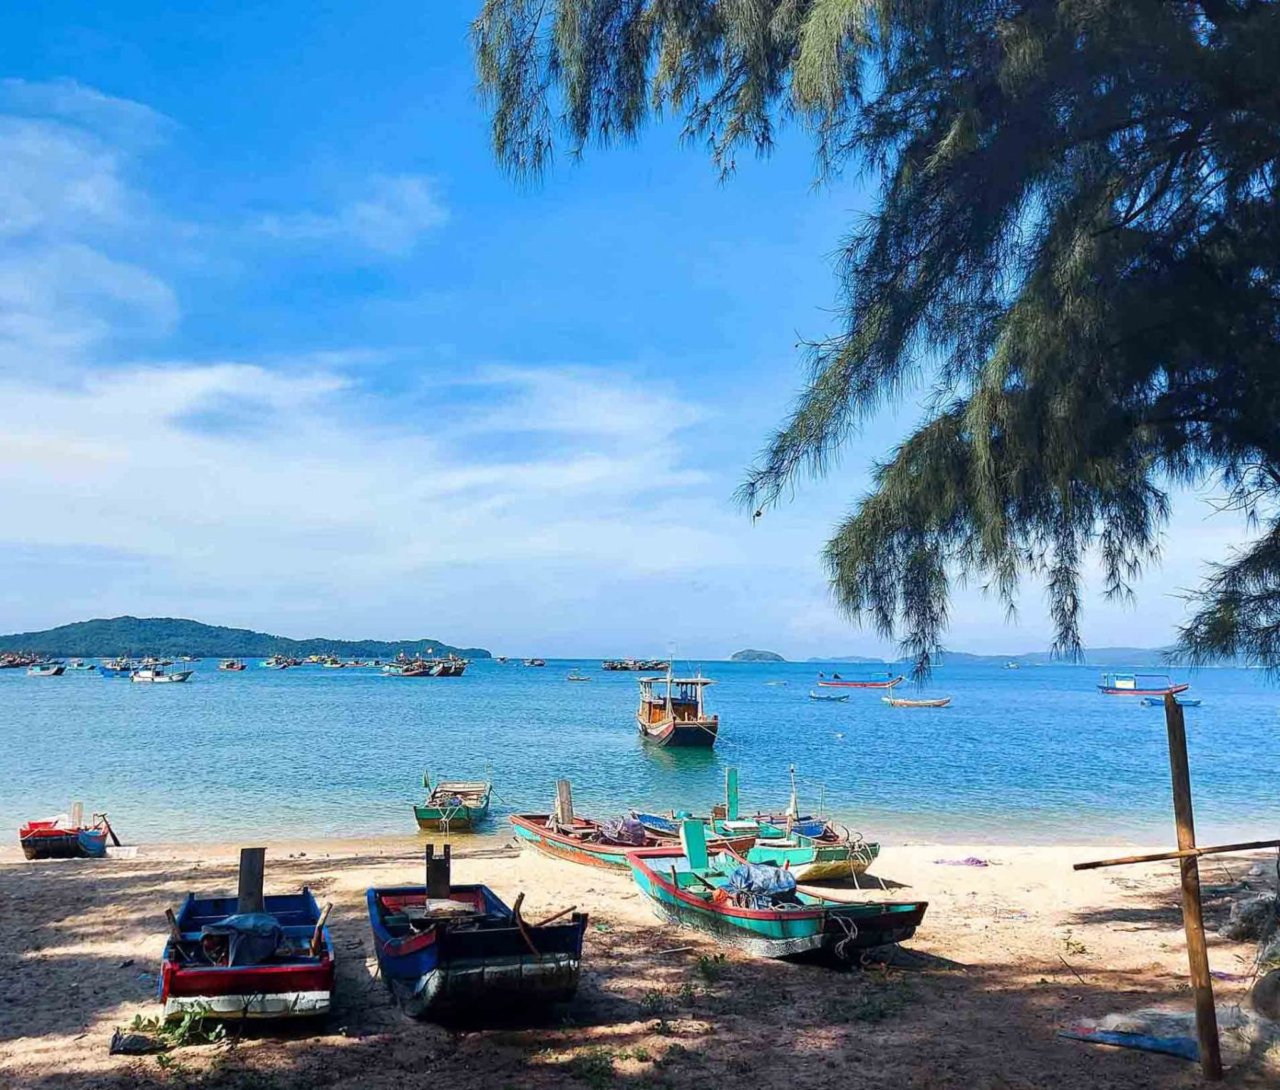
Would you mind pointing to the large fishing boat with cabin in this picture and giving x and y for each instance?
(672, 712)
(1140, 685)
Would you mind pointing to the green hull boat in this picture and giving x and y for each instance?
(453, 805)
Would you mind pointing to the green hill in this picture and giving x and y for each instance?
(170, 636)
(752, 655)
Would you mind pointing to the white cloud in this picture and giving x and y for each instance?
(119, 119)
(392, 218)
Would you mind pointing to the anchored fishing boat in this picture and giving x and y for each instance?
(115, 668)
(1140, 685)
(671, 712)
(233, 666)
(453, 805)
(1158, 702)
(248, 956)
(839, 683)
(830, 698)
(575, 676)
(937, 702)
(759, 909)
(46, 669)
(158, 675)
(600, 843)
(460, 950)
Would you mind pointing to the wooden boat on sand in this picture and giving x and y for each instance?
(460, 950)
(938, 702)
(453, 805)
(600, 843)
(250, 956)
(66, 837)
(671, 712)
(759, 909)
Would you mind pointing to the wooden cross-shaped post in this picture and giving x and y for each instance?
(1188, 855)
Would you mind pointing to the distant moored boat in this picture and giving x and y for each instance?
(1140, 685)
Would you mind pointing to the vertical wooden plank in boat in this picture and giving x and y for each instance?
(731, 793)
(438, 873)
(77, 815)
(693, 837)
(564, 802)
(253, 862)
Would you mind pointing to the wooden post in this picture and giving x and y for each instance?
(77, 815)
(253, 863)
(564, 802)
(731, 793)
(438, 876)
(1192, 916)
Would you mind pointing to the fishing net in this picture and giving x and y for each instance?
(754, 886)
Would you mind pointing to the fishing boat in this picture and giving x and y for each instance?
(535, 662)
(276, 662)
(46, 669)
(81, 666)
(66, 837)
(937, 702)
(830, 698)
(1140, 685)
(115, 668)
(671, 712)
(158, 675)
(760, 909)
(575, 676)
(840, 683)
(1158, 702)
(460, 950)
(600, 843)
(231, 962)
(231, 665)
(453, 805)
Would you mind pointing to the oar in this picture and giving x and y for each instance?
(558, 915)
(110, 831)
(317, 936)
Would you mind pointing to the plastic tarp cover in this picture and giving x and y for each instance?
(252, 937)
(753, 885)
(625, 830)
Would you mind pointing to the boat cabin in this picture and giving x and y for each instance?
(668, 699)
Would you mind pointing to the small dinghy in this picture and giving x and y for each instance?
(897, 702)
(1158, 702)
(829, 698)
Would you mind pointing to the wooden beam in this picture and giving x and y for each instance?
(1156, 857)
(1192, 915)
(564, 802)
(77, 815)
(253, 862)
(438, 873)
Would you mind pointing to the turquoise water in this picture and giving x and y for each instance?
(1032, 755)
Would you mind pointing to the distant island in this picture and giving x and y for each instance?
(751, 655)
(171, 636)
(1093, 656)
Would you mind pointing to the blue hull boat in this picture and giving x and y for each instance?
(468, 954)
(1158, 702)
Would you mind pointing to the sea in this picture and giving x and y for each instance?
(1034, 755)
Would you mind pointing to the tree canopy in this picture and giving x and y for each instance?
(1075, 244)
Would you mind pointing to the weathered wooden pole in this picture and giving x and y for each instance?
(1192, 916)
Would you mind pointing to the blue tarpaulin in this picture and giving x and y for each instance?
(252, 937)
(754, 886)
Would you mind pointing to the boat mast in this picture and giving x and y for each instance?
(793, 811)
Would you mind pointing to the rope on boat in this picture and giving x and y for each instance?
(850, 930)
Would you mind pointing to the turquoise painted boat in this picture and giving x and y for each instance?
(759, 909)
(453, 805)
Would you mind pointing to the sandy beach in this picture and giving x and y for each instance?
(1007, 955)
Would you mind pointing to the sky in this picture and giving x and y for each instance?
(282, 348)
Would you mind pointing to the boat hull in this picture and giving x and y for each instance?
(298, 987)
(532, 829)
(433, 819)
(1111, 690)
(836, 930)
(888, 684)
(499, 966)
(42, 840)
(684, 734)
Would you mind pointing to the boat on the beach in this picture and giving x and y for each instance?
(900, 702)
(600, 843)
(158, 675)
(830, 698)
(671, 712)
(46, 669)
(1140, 685)
(453, 805)
(65, 837)
(838, 682)
(230, 961)
(460, 950)
(759, 909)
(233, 666)
(1158, 702)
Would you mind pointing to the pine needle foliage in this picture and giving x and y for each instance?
(1075, 245)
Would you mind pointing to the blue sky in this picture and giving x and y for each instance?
(281, 347)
